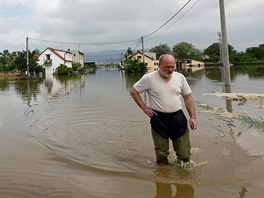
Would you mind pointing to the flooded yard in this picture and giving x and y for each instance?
(85, 137)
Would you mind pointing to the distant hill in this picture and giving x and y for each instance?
(104, 57)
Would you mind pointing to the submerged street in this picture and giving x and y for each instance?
(85, 137)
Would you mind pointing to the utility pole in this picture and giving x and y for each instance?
(224, 47)
(225, 55)
(220, 46)
(142, 41)
(221, 56)
(27, 57)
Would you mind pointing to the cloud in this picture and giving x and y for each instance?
(104, 21)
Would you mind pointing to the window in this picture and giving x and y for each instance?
(48, 56)
(138, 57)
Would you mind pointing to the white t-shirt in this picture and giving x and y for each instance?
(163, 96)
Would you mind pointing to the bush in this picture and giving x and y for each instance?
(89, 67)
(134, 66)
(64, 70)
(250, 63)
(76, 66)
(38, 69)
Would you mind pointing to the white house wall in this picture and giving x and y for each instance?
(66, 56)
(56, 61)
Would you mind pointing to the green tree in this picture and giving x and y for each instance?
(257, 52)
(20, 61)
(185, 50)
(89, 67)
(213, 51)
(161, 49)
(33, 62)
(135, 66)
(4, 59)
(128, 54)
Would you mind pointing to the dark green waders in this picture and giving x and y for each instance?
(181, 146)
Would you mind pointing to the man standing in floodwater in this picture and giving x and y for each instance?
(165, 87)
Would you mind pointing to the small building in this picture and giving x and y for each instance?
(77, 57)
(51, 58)
(149, 59)
(190, 65)
(181, 65)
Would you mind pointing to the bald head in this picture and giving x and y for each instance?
(166, 57)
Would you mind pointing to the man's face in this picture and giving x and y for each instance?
(167, 67)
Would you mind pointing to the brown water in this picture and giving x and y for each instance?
(85, 137)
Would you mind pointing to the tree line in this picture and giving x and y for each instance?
(185, 50)
(17, 60)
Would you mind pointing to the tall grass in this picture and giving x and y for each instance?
(253, 122)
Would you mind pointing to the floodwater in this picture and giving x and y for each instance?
(85, 137)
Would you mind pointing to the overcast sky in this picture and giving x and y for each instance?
(96, 25)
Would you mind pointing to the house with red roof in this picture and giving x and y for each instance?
(51, 58)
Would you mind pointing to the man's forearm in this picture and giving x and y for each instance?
(138, 99)
(188, 100)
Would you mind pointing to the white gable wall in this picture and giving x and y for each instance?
(56, 60)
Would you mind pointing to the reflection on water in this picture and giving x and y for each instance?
(182, 190)
(87, 134)
(130, 79)
(228, 101)
(164, 190)
(28, 89)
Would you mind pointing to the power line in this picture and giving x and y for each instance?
(139, 41)
(121, 42)
(85, 43)
(169, 19)
(176, 20)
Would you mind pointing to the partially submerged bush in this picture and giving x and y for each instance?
(64, 70)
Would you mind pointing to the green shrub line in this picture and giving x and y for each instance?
(250, 63)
